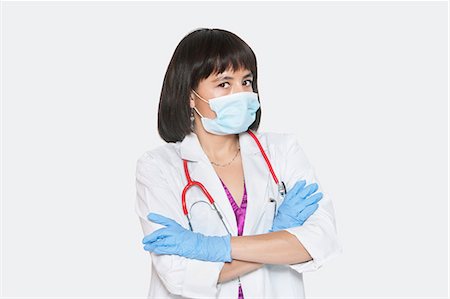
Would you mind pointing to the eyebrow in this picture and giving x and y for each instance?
(249, 75)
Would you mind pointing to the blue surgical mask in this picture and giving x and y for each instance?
(235, 113)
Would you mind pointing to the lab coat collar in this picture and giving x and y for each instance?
(256, 174)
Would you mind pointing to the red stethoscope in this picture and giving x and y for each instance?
(191, 183)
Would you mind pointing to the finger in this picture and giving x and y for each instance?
(308, 211)
(165, 242)
(297, 187)
(150, 246)
(157, 218)
(313, 199)
(157, 234)
(308, 190)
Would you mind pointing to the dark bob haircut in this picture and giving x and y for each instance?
(198, 55)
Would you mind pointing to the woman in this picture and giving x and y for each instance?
(256, 240)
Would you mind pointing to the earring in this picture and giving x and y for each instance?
(192, 119)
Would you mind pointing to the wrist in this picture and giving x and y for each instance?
(227, 251)
(220, 248)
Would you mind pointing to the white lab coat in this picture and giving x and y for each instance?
(160, 180)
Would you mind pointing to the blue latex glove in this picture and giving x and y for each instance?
(297, 206)
(175, 239)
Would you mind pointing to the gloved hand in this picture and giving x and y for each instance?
(297, 206)
(175, 239)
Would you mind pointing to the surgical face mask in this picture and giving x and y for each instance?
(235, 113)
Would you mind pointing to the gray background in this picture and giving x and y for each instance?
(363, 85)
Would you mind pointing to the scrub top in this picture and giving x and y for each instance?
(239, 212)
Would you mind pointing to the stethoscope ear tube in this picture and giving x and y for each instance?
(280, 184)
(221, 218)
(189, 221)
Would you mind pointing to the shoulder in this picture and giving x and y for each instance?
(153, 162)
(281, 141)
(285, 147)
(164, 152)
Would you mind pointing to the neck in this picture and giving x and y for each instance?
(218, 148)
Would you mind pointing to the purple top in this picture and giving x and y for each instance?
(239, 212)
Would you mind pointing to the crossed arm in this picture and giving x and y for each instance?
(252, 252)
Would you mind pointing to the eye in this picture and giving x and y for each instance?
(223, 84)
(248, 83)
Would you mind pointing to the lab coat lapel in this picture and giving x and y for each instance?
(257, 177)
(201, 170)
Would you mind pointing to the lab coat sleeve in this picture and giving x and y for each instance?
(318, 234)
(181, 276)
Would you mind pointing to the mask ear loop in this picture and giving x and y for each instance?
(200, 97)
(195, 108)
